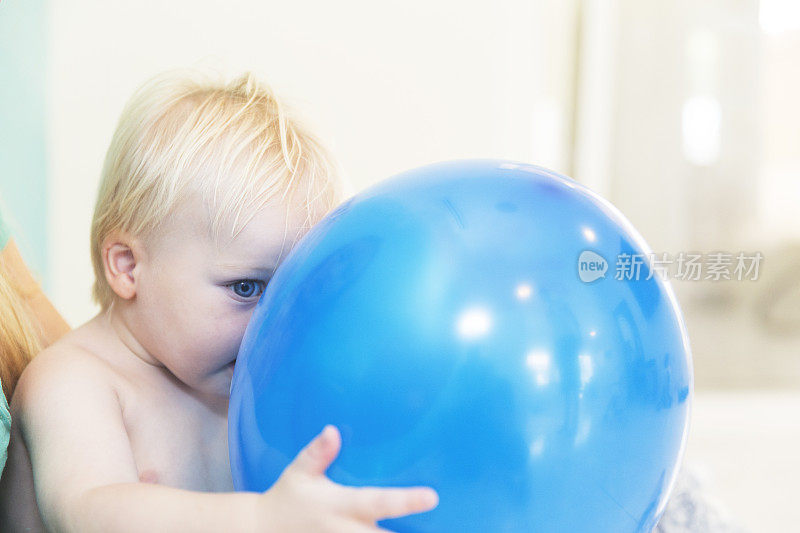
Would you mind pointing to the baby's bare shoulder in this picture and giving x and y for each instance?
(65, 371)
(67, 412)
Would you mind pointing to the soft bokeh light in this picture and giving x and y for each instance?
(589, 234)
(779, 16)
(701, 123)
(586, 368)
(539, 362)
(523, 291)
(474, 323)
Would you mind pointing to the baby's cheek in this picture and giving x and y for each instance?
(229, 335)
(222, 349)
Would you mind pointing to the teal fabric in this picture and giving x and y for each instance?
(5, 430)
(5, 232)
(23, 119)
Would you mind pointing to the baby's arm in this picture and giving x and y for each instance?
(84, 472)
(86, 478)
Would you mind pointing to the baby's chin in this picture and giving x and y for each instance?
(228, 372)
(227, 377)
(216, 384)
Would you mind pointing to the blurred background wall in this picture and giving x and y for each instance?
(684, 114)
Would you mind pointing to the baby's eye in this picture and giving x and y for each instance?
(248, 288)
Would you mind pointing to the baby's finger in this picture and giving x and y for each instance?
(376, 503)
(318, 454)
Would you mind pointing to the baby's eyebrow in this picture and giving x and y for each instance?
(245, 269)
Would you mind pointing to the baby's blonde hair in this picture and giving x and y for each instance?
(235, 144)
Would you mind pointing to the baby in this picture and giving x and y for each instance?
(121, 425)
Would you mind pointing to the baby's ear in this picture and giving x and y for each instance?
(120, 253)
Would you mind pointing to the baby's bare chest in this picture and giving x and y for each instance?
(178, 442)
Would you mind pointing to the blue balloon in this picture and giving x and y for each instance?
(487, 328)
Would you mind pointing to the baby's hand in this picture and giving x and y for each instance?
(304, 499)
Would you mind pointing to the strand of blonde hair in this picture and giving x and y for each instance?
(18, 340)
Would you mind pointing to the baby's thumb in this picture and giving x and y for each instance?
(318, 454)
